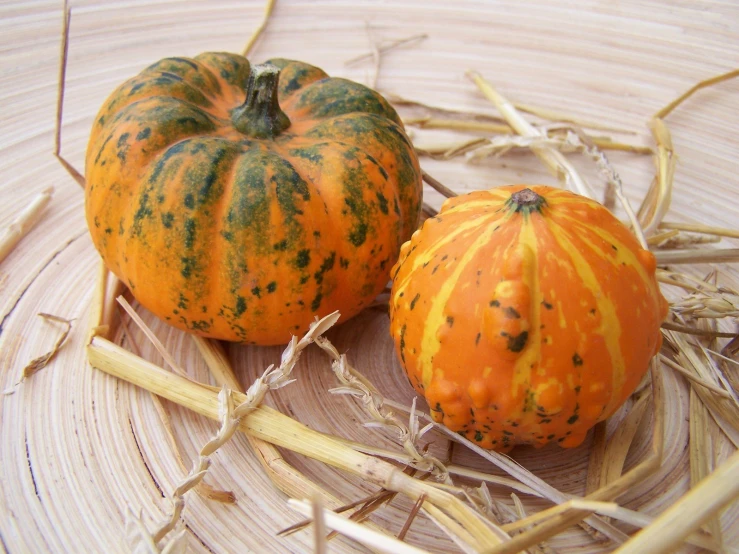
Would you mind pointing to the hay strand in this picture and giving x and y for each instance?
(284, 476)
(229, 414)
(280, 430)
(694, 378)
(664, 112)
(42, 361)
(554, 160)
(268, 8)
(596, 459)
(375, 54)
(24, 222)
(476, 126)
(366, 505)
(63, 55)
(659, 197)
(383, 48)
(202, 488)
(163, 352)
(556, 115)
(702, 454)
(686, 515)
(698, 228)
(356, 531)
(619, 443)
(520, 473)
(438, 186)
(319, 527)
(614, 186)
(608, 509)
(408, 435)
(724, 411)
(39, 363)
(707, 256)
(411, 516)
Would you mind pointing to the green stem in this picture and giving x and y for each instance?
(260, 115)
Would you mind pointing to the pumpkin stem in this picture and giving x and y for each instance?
(526, 201)
(260, 115)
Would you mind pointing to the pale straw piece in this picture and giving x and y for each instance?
(554, 159)
(26, 220)
(358, 532)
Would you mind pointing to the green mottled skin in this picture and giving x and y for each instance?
(243, 238)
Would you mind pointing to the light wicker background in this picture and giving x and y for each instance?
(77, 447)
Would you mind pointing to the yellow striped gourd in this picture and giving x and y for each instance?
(525, 315)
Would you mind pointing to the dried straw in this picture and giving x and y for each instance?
(697, 228)
(39, 363)
(25, 221)
(358, 532)
(151, 336)
(319, 527)
(703, 432)
(557, 163)
(556, 115)
(657, 202)
(375, 54)
(664, 112)
(229, 414)
(614, 186)
(202, 488)
(596, 459)
(438, 186)
(504, 133)
(691, 358)
(686, 515)
(543, 113)
(707, 256)
(411, 516)
(609, 509)
(67, 17)
(429, 122)
(354, 384)
(620, 441)
(284, 476)
(684, 241)
(383, 48)
(366, 505)
(280, 430)
(269, 6)
(508, 465)
(694, 378)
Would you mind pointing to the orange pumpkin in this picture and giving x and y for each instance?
(525, 315)
(239, 201)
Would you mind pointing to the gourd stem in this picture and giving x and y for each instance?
(260, 115)
(526, 201)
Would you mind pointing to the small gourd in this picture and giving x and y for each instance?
(525, 315)
(239, 202)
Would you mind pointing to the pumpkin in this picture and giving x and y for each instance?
(524, 315)
(240, 201)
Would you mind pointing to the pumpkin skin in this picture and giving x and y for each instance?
(231, 218)
(525, 315)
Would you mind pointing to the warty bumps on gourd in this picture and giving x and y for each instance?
(525, 315)
(239, 202)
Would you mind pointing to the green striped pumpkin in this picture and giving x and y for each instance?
(239, 201)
